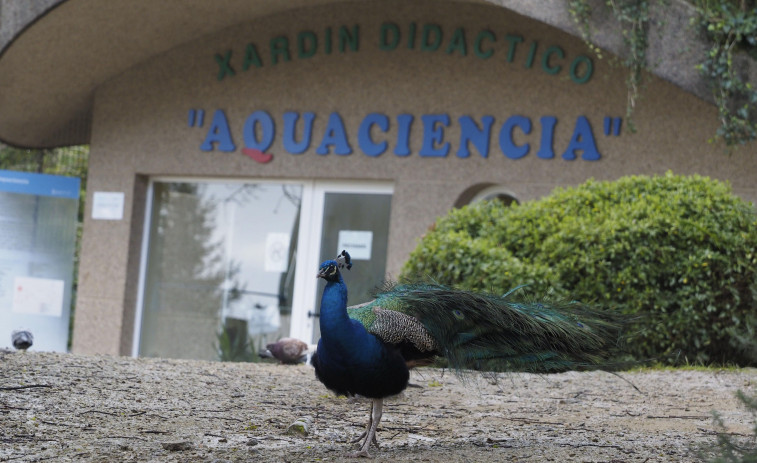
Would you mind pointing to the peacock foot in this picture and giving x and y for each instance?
(360, 438)
(362, 453)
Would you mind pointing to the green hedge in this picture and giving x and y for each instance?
(679, 252)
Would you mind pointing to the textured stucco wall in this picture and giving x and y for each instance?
(48, 75)
(140, 128)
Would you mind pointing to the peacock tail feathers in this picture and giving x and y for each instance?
(474, 330)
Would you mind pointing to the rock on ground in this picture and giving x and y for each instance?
(64, 407)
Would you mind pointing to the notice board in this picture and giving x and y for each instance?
(38, 224)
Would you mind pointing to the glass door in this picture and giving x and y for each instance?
(220, 263)
(229, 267)
(354, 217)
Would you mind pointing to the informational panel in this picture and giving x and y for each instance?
(38, 222)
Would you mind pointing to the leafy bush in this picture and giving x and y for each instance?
(679, 252)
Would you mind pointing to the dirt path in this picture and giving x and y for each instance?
(63, 407)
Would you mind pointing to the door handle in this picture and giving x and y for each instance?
(313, 314)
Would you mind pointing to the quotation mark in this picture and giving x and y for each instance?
(196, 117)
(612, 125)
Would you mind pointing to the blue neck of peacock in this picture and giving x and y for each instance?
(334, 320)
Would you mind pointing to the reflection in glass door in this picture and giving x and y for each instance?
(219, 271)
(359, 223)
(229, 267)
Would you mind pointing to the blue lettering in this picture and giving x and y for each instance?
(470, 132)
(218, 133)
(374, 136)
(364, 139)
(583, 140)
(335, 136)
(290, 127)
(434, 135)
(547, 137)
(267, 130)
(506, 143)
(404, 122)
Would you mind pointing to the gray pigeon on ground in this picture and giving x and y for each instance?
(22, 339)
(288, 350)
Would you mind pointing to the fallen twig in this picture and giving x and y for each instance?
(593, 445)
(228, 418)
(16, 388)
(126, 437)
(96, 411)
(681, 417)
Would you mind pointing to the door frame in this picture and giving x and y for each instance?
(308, 242)
(306, 284)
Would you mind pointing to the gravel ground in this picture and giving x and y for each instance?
(64, 407)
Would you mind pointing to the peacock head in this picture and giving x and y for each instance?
(329, 271)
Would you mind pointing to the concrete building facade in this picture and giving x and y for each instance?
(234, 147)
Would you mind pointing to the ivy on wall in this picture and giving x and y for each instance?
(730, 27)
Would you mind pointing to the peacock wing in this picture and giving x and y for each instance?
(394, 327)
(511, 332)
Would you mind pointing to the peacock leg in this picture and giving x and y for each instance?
(376, 411)
(367, 428)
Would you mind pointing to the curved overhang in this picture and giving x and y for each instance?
(52, 63)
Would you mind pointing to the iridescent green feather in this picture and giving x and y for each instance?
(363, 313)
(513, 332)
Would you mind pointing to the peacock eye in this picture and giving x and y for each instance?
(458, 314)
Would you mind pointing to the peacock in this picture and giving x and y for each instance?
(368, 349)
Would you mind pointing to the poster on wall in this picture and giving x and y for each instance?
(38, 224)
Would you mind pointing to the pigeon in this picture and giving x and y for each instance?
(22, 339)
(288, 350)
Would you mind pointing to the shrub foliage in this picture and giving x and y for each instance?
(679, 253)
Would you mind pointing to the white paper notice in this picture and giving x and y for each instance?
(38, 296)
(108, 205)
(357, 243)
(277, 252)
